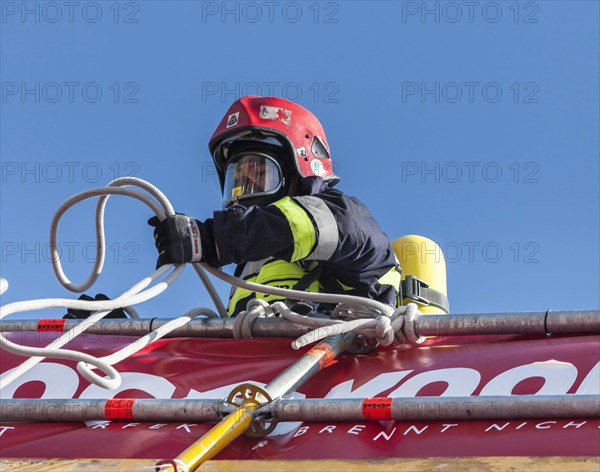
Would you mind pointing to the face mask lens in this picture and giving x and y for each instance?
(251, 175)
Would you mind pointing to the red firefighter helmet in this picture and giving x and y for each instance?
(278, 127)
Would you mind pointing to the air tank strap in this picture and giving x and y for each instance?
(419, 292)
(313, 273)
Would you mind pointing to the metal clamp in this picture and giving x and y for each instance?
(362, 345)
(248, 393)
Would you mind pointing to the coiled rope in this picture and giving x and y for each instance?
(385, 328)
(367, 317)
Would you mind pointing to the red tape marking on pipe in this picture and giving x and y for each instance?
(120, 409)
(324, 353)
(377, 408)
(51, 325)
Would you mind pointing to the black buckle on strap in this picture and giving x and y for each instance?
(412, 289)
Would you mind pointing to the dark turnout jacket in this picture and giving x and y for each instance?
(328, 235)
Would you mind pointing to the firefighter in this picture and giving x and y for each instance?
(283, 223)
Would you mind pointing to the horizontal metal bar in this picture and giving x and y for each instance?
(543, 322)
(201, 328)
(444, 408)
(587, 321)
(314, 410)
(143, 409)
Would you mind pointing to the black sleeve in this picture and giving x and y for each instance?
(243, 234)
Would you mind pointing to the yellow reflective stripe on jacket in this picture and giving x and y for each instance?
(391, 277)
(301, 225)
(276, 273)
(241, 294)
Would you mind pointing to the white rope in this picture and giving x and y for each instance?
(134, 295)
(161, 209)
(385, 329)
(365, 316)
(116, 357)
(352, 300)
(100, 241)
(409, 326)
(255, 308)
(100, 308)
(133, 314)
(3, 285)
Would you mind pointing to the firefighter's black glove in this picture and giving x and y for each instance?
(177, 239)
(73, 314)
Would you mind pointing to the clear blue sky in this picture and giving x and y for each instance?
(473, 124)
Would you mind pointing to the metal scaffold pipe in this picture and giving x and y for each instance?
(438, 408)
(140, 409)
(542, 323)
(313, 410)
(481, 324)
(200, 328)
(587, 321)
(250, 398)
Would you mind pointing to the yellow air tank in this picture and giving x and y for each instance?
(422, 258)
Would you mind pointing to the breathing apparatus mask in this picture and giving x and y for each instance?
(256, 172)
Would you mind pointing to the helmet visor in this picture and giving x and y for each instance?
(251, 175)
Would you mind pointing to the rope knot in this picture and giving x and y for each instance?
(406, 334)
(255, 308)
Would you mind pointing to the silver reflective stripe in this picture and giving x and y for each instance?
(251, 269)
(327, 241)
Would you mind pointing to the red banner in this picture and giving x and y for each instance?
(201, 368)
